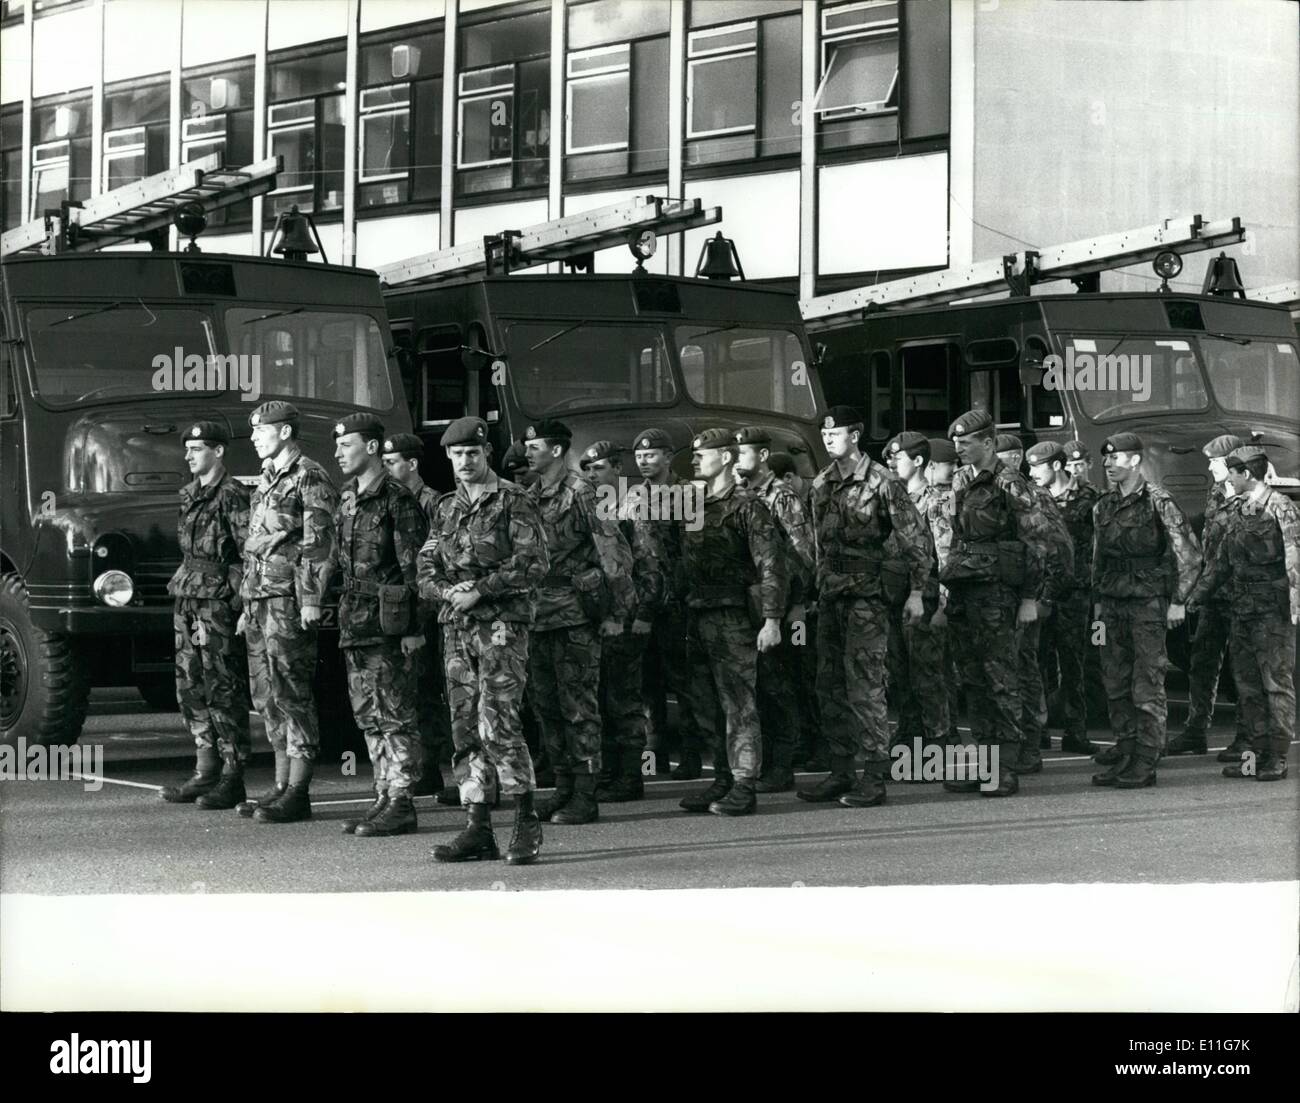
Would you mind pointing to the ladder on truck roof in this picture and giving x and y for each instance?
(1280, 294)
(1081, 261)
(560, 239)
(131, 212)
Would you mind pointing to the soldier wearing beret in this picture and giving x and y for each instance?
(288, 559)
(916, 650)
(1001, 541)
(1063, 641)
(624, 715)
(778, 669)
(1209, 642)
(380, 528)
(211, 662)
(1145, 561)
(668, 660)
(1259, 559)
(402, 455)
(514, 465)
(1078, 462)
(856, 506)
(938, 515)
(735, 571)
(1011, 450)
(481, 566)
(586, 596)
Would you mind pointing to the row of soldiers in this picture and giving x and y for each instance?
(543, 592)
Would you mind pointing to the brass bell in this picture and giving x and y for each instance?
(295, 237)
(719, 259)
(1223, 278)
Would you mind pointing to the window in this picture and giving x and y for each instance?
(759, 369)
(487, 104)
(859, 67)
(1132, 377)
(11, 168)
(304, 119)
(928, 372)
(998, 392)
(60, 154)
(136, 133)
(12, 10)
(597, 108)
(721, 78)
(217, 117)
(1262, 377)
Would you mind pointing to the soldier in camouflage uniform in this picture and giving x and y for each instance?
(380, 529)
(734, 568)
(624, 716)
(288, 559)
(211, 663)
(938, 514)
(778, 669)
(916, 650)
(1000, 542)
(1144, 563)
(402, 455)
(856, 506)
(1064, 638)
(586, 595)
(1259, 559)
(1209, 643)
(481, 565)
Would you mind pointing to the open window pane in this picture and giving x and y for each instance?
(860, 76)
(598, 113)
(297, 145)
(486, 128)
(49, 187)
(385, 144)
(723, 96)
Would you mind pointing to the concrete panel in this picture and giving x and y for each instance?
(295, 22)
(63, 52)
(218, 29)
(377, 14)
(760, 214)
(15, 65)
(139, 38)
(473, 223)
(385, 240)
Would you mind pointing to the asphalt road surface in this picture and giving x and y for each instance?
(1194, 826)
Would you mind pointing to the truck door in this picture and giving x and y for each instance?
(929, 382)
(12, 499)
(451, 379)
(993, 376)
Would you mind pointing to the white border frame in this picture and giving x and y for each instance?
(861, 110)
(693, 134)
(370, 116)
(461, 163)
(593, 76)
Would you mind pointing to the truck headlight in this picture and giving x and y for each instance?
(114, 588)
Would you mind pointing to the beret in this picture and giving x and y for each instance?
(514, 458)
(548, 429)
(1045, 451)
(601, 450)
(1122, 442)
(1239, 457)
(367, 425)
(210, 432)
(654, 438)
(973, 421)
(465, 430)
(1076, 450)
(781, 464)
(403, 444)
(1221, 446)
(714, 438)
(942, 451)
(841, 417)
(753, 434)
(908, 441)
(1009, 442)
(270, 413)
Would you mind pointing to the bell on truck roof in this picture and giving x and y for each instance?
(296, 231)
(719, 259)
(1223, 278)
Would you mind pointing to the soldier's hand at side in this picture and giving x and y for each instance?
(1177, 614)
(461, 587)
(611, 627)
(239, 624)
(914, 609)
(769, 635)
(1295, 619)
(310, 616)
(412, 644)
(940, 618)
(641, 627)
(1027, 613)
(464, 600)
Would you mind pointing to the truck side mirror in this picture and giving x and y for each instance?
(1031, 375)
(819, 354)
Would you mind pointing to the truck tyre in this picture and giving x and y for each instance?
(44, 686)
(158, 691)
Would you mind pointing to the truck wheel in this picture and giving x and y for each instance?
(44, 685)
(158, 691)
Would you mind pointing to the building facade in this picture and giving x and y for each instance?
(847, 141)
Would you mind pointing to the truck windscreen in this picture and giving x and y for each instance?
(736, 365)
(304, 355)
(1130, 376)
(1254, 377)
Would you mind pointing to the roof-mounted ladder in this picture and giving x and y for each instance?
(1280, 294)
(134, 211)
(561, 239)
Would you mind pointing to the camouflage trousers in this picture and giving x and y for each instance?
(434, 718)
(1208, 647)
(563, 688)
(725, 678)
(1133, 665)
(852, 641)
(381, 687)
(281, 665)
(1062, 652)
(1263, 666)
(624, 719)
(1033, 702)
(952, 683)
(810, 712)
(212, 676)
(778, 700)
(982, 630)
(668, 667)
(916, 660)
(487, 669)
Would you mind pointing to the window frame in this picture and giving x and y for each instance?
(830, 42)
(384, 111)
(487, 93)
(696, 57)
(596, 76)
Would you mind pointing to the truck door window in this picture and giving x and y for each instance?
(440, 372)
(1262, 377)
(1046, 408)
(997, 391)
(928, 374)
(735, 365)
(1115, 378)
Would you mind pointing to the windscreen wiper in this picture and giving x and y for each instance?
(719, 329)
(557, 336)
(104, 310)
(275, 314)
(1229, 337)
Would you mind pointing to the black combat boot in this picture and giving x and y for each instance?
(450, 796)
(1118, 764)
(1078, 744)
(526, 839)
(247, 807)
(690, 767)
(869, 790)
(1189, 741)
(628, 785)
(1045, 741)
(1008, 782)
(1029, 758)
(582, 807)
(396, 818)
(699, 802)
(610, 765)
(1239, 769)
(739, 801)
(207, 772)
(563, 794)
(430, 783)
(475, 843)
(963, 778)
(1234, 750)
(777, 779)
(1273, 768)
(1109, 756)
(1139, 772)
(228, 791)
(380, 803)
(293, 805)
(835, 784)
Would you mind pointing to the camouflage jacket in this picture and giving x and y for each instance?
(1059, 577)
(426, 496)
(1257, 560)
(738, 548)
(792, 518)
(853, 519)
(211, 528)
(938, 514)
(290, 548)
(584, 548)
(1076, 506)
(1000, 531)
(1143, 546)
(669, 532)
(380, 532)
(1217, 509)
(645, 539)
(495, 542)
